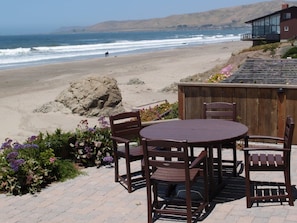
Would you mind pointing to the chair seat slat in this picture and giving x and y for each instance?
(263, 160)
(270, 159)
(254, 160)
(279, 160)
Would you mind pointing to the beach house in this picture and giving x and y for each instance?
(275, 27)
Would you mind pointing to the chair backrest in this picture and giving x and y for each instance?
(219, 110)
(126, 125)
(168, 154)
(289, 131)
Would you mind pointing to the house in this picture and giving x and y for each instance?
(275, 27)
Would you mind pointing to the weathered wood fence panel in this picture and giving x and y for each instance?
(263, 108)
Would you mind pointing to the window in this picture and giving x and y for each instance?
(287, 15)
(286, 28)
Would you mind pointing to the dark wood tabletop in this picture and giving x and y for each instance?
(198, 132)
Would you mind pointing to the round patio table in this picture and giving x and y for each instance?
(206, 133)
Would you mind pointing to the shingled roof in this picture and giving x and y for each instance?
(266, 71)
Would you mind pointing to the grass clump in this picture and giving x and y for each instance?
(292, 52)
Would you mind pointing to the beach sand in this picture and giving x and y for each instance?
(25, 89)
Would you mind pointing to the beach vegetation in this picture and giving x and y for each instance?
(265, 47)
(48, 157)
(224, 73)
(30, 166)
(161, 111)
(135, 81)
(292, 53)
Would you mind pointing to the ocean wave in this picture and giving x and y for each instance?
(45, 53)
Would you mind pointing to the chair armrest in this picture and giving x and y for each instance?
(253, 137)
(202, 156)
(265, 149)
(119, 139)
(261, 137)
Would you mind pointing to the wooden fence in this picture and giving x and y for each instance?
(263, 108)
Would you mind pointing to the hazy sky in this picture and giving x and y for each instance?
(34, 16)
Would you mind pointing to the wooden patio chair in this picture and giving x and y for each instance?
(168, 164)
(125, 129)
(226, 111)
(268, 158)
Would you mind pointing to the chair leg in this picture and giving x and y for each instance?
(192, 153)
(289, 186)
(188, 202)
(116, 169)
(248, 191)
(149, 203)
(220, 167)
(128, 175)
(247, 182)
(234, 161)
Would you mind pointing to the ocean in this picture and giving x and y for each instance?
(31, 50)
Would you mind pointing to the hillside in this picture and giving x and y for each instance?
(232, 17)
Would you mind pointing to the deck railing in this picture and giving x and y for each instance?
(251, 37)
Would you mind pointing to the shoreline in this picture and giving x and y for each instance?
(25, 89)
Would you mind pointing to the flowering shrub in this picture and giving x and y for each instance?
(92, 146)
(26, 168)
(161, 111)
(42, 159)
(222, 75)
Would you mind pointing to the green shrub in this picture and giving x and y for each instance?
(66, 170)
(292, 52)
(58, 141)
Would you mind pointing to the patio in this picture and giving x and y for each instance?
(95, 197)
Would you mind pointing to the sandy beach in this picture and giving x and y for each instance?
(25, 89)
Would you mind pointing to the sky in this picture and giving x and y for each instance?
(37, 16)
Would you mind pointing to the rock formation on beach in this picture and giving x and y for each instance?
(91, 96)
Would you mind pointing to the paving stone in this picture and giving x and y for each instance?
(95, 197)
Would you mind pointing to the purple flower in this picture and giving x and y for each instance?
(28, 146)
(6, 144)
(17, 146)
(32, 138)
(92, 129)
(108, 159)
(15, 164)
(103, 122)
(88, 149)
(12, 156)
(34, 146)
